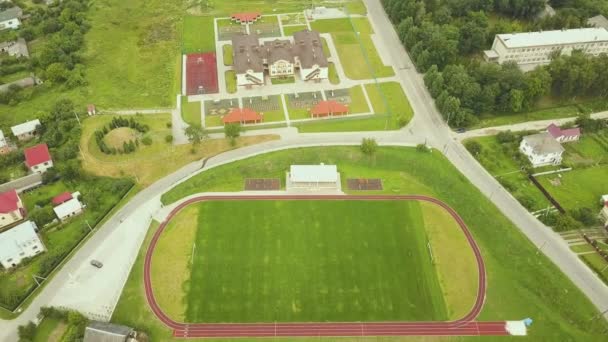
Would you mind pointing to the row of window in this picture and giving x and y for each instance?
(553, 48)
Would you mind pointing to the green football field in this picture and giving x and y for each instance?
(266, 261)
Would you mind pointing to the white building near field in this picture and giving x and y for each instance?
(542, 149)
(19, 243)
(530, 49)
(313, 177)
(10, 18)
(69, 208)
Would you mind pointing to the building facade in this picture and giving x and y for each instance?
(19, 243)
(38, 159)
(26, 130)
(536, 48)
(11, 208)
(9, 19)
(541, 149)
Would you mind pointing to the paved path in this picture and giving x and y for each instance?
(524, 126)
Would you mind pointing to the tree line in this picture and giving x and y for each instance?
(127, 146)
(445, 41)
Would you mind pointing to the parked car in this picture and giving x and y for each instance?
(96, 263)
(460, 130)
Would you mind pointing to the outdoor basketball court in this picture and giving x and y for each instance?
(201, 74)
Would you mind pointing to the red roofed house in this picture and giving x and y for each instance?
(242, 116)
(564, 135)
(328, 108)
(38, 159)
(246, 18)
(61, 198)
(11, 208)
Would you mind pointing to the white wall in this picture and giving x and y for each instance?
(540, 159)
(41, 168)
(10, 24)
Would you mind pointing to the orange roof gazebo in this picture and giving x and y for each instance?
(328, 108)
(246, 17)
(242, 116)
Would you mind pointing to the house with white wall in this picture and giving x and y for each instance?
(69, 208)
(26, 130)
(542, 149)
(11, 208)
(38, 159)
(10, 18)
(19, 243)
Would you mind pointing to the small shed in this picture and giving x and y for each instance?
(107, 332)
(313, 177)
(91, 109)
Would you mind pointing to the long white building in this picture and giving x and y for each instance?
(535, 48)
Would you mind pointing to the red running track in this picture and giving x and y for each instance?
(465, 326)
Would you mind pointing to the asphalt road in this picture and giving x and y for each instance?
(129, 223)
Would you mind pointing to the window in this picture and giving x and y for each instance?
(35, 247)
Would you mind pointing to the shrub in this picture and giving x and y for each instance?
(369, 146)
(169, 138)
(506, 137)
(422, 148)
(473, 147)
(146, 141)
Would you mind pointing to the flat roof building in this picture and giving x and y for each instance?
(536, 48)
(313, 177)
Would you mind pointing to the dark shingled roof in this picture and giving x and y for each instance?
(247, 53)
(278, 50)
(11, 13)
(309, 49)
(106, 332)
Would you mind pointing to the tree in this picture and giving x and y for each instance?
(369, 146)
(196, 134)
(232, 131)
(516, 100)
(473, 147)
(27, 332)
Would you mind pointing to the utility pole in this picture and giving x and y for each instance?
(77, 118)
(88, 225)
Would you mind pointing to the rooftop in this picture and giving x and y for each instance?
(598, 21)
(328, 107)
(12, 239)
(543, 143)
(106, 332)
(67, 208)
(9, 201)
(557, 37)
(246, 17)
(11, 13)
(25, 127)
(37, 155)
(61, 198)
(238, 115)
(557, 132)
(313, 173)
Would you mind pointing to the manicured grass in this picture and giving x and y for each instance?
(579, 188)
(597, 264)
(399, 107)
(227, 7)
(283, 80)
(227, 52)
(454, 260)
(171, 263)
(356, 49)
(50, 330)
(358, 103)
(288, 31)
(191, 112)
(288, 267)
(116, 137)
(230, 81)
(296, 113)
(521, 282)
(582, 248)
(213, 121)
(592, 149)
(149, 163)
(333, 74)
(374, 123)
(274, 115)
(131, 54)
(198, 34)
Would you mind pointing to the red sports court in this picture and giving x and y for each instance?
(201, 74)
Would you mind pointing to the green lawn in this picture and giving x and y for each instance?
(597, 264)
(290, 268)
(333, 74)
(374, 123)
(49, 330)
(521, 282)
(399, 107)
(296, 113)
(283, 80)
(191, 112)
(133, 53)
(579, 188)
(227, 53)
(288, 31)
(582, 248)
(198, 34)
(356, 49)
(213, 121)
(230, 81)
(358, 103)
(227, 7)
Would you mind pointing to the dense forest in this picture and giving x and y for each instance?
(445, 40)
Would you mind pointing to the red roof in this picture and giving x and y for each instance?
(37, 155)
(246, 17)
(9, 201)
(329, 107)
(64, 197)
(557, 132)
(238, 115)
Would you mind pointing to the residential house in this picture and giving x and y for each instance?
(281, 58)
(10, 18)
(564, 135)
(67, 205)
(242, 116)
(11, 208)
(598, 21)
(530, 49)
(26, 82)
(26, 130)
(107, 332)
(542, 149)
(38, 159)
(4, 147)
(16, 48)
(19, 243)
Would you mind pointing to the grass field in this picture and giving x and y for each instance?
(50, 330)
(332, 261)
(230, 81)
(198, 34)
(116, 137)
(579, 188)
(288, 31)
(227, 7)
(356, 49)
(522, 283)
(333, 74)
(399, 107)
(227, 53)
(191, 112)
(149, 163)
